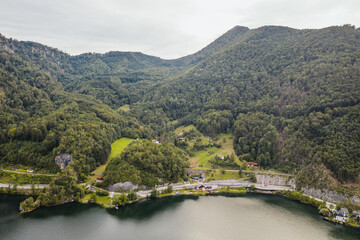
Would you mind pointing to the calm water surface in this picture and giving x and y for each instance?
(253, 216)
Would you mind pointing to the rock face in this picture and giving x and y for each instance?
(328, 195)
(126, 186)
(273, 179)
(63, 160)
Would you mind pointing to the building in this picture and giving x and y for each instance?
(99, 179)
(342, 215)
(199, 179)
(30, 170)
(180, 134)
(253, 164)
(219, 157)
(155, 141)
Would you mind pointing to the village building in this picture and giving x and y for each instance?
(155, 141)
(99, 179)
(180, 134)
(30, 170)
(342, 215)
(199, 179)
(252, 164)
(219, 157)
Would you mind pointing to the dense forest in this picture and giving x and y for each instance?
(289, 97)
(146, 163)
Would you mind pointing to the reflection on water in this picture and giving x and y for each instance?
(250, 216)
(146, 209)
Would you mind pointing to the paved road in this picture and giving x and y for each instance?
(214, 185)
(26, 186)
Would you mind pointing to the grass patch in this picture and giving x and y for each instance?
(185, 129)
(119, 145)
(116, 148)
(201, 158)
(218, 175)
(20, 178)
(103, 200)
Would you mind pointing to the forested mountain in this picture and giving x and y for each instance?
(285, 90)
(290, 98)
(115, 78)
(40, 121)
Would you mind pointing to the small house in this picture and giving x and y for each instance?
(180, 134)
(342, 215)
(201, 188)
(155, 141)
(219, 157)
(30, 170)
(100, 179)
(252, 164)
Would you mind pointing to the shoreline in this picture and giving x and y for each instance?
(220, 191)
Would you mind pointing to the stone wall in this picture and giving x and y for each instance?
(328, 195)
(274, 179)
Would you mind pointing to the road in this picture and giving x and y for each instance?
(213, 185)
(26, 186)
(39, 174)
(180, 186)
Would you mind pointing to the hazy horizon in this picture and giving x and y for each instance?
(162, 28)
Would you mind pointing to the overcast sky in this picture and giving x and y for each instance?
(164, 28)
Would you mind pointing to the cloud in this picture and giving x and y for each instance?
(165, 28)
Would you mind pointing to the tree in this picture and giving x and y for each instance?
(120, 199)
(153, 193)
(169, 189)
(240, 171)
(28, 204)
(132, 195)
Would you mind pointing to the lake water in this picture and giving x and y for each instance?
(252, 216)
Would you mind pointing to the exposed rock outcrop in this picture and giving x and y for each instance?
(126, 186)
(63, 160)
(329, 195)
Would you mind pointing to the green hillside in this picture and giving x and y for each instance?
(290, 99)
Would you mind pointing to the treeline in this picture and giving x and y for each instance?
(63, 188)
(146, 163)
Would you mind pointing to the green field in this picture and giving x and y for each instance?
(185, 128)
(200, 159)
(119, 145)
(218, 175)
(23, 178)
(116, 148)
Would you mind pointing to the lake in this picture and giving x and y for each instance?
(251, 216)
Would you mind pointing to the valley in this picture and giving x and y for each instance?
(266, 101)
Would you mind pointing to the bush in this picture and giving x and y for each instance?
(102, 193)
(132, 195)
(153, 193)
